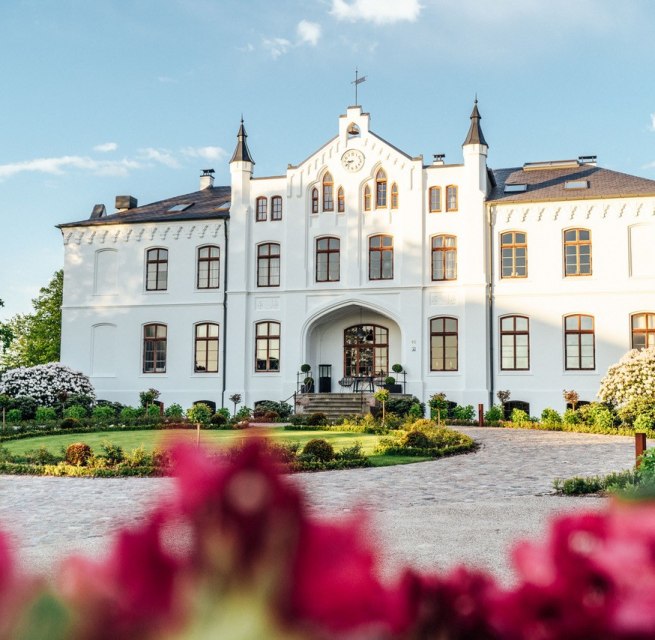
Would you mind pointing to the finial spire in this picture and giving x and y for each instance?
(475, 135)
(241, 152)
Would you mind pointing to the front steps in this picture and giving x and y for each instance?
(334, 405)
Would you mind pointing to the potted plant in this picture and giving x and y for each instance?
(308, 385)
(391, 386)
(305, 368)
(397, 368)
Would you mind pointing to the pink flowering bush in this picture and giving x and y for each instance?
(236, 555)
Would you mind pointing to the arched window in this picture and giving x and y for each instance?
(208, 267)
(267, 346)
(380, 189)
(435, 199)
(328, 253)
(314, 200)
(276, 208)
(444, 257)
(444, 341)
(206, 348)
(577, 252)
(367, 198)
(514, 254)
(451, 198)
(268, 265)
(154, 348)
(643, 330)
(514, 343)
(341, 201)
(260, 209)
(156, 269)
(380, 257)
(579, 342)
(328, 194)
(394, 196)
(365, 350)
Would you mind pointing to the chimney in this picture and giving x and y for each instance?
(123, 203)
(98, 211)
(439, 158)
(592, 160)
(206, 179)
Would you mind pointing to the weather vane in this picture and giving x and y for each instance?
(357, 81)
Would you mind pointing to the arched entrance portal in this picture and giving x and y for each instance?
(355, 341)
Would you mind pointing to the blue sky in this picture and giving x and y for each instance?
(137, 96)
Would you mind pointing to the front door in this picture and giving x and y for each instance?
(365, 350)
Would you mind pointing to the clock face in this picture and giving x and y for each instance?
(353, 160)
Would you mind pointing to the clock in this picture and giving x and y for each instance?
(353, 160)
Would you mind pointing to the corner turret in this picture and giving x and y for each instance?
(475, 135)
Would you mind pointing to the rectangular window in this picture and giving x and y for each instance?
(513, 255)
(276, 208)
(157, 270)
(451, 198)
(208, 268)
(268, 265)
(206, 348)
(327, 259)
(643, 330)
(577, 252)
(380, 258)
(579, 342)
(154, 348)
(443, 344)
(267, 346)
(435, 199)
(514, 343)
(260, 206)
(444, 258)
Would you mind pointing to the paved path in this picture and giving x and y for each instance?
(432, 514)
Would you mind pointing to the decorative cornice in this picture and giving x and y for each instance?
(136, 233)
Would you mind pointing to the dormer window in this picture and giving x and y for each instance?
(314, 200)
(328, 195)
(367, 198)
(394, 196)
(381, 189)
(515, 188)
(576, 184)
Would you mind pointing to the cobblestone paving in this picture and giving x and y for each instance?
(433, 514)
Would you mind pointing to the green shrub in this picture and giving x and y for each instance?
(283, 409)
(26, 405)
(5, 454)
(354, 452)
(463, 412)
(519, 416)
(130, 415)
(571, 417)
(401, 406)
(103, 413)
(631, 410)
(174, 411)
(153, 412)
(45, 413)
(199, 413)
(146, 398)
(113, 452)
(316, 419)
(138, 457)
(603, 418)
(218, 420)
(423, 424)
(76, 411)
(78, 454)
(78, 399)
(318, 449)
(647, 467)
(13, 416)
(416, 411)
(41, 456)
(389, 380)
(494, 413)
(550, 416)
(417, 440)
(244, 413)
(644, 422)
(70, 423)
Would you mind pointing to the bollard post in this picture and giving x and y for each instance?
(640, 447)
(480, 415)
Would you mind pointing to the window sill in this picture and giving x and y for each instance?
(511, 372)
(580, 372)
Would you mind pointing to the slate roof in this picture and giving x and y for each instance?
(475, 135)
(209, 204)
(548, 184)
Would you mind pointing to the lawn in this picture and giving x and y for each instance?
(213, 438)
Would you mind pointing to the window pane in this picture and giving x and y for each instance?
(521, 324)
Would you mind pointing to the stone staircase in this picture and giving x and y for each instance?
(334, 405)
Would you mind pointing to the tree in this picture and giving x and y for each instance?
(35, 338)
(438, 403)
(382, 396)
(5, 333)
(631, 379)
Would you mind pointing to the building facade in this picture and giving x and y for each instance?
(532, 279)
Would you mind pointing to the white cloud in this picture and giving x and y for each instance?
(652, 122)
(166, 80)
(59, 165)
(276, 46)
(106, 147)
(161, 156)
(206, 153)
(309, 32)
(376, 11)
(249, 48)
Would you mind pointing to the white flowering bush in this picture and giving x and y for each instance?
(632, 378)
(45, 383)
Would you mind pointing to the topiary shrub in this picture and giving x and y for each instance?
(76, 411)
(69, 423)
(47, 384)
(416, 440)
(199, 413)
(317, 419)
(78, 454)
(319, 449)
(218, 420)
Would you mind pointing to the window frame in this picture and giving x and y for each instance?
(156, 341)
(207, 340)
(443, 252)
(381, 189)
(443, 335)
(209, 260)
(646, 332)
(513, 246)
(513, 333)
(267, 339)
(576, 245)
(394, 200)
(328, 192)
(452, 187)
(431, 200)
(314, 200)
(268, 258)
(367, 197)
(355, 342)
(341, 201)
(276, 215)
(328, 252)
(579, 332)
(155, 264)
(261, 209)
(381, 250)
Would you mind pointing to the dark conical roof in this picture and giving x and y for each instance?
(475, 135)
(241, 152)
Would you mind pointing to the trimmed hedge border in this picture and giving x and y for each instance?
(433, 452)
(576, 428)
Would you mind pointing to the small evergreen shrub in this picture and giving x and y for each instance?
(27, 406)
(417, 440)
(153, 412)
(519, 416)
(402, 406)
(494, 413)
(283, 409)
(644, 422)
(416, 411)
(13, 416)
(174, 411)
(218, 420)
(45, 413)
(40, 456)
(463, 412)
(76, 411)
(317, 419)
(112, 452)
(550, 416)
(319, 449)
(103, 413)
(70, 423)
(571, 417)
(78, 454)
(129, 415)
(244, 413)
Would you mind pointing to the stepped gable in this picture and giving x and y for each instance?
(208, 204)
(549, 183)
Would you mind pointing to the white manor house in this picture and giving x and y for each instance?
(533, 279)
